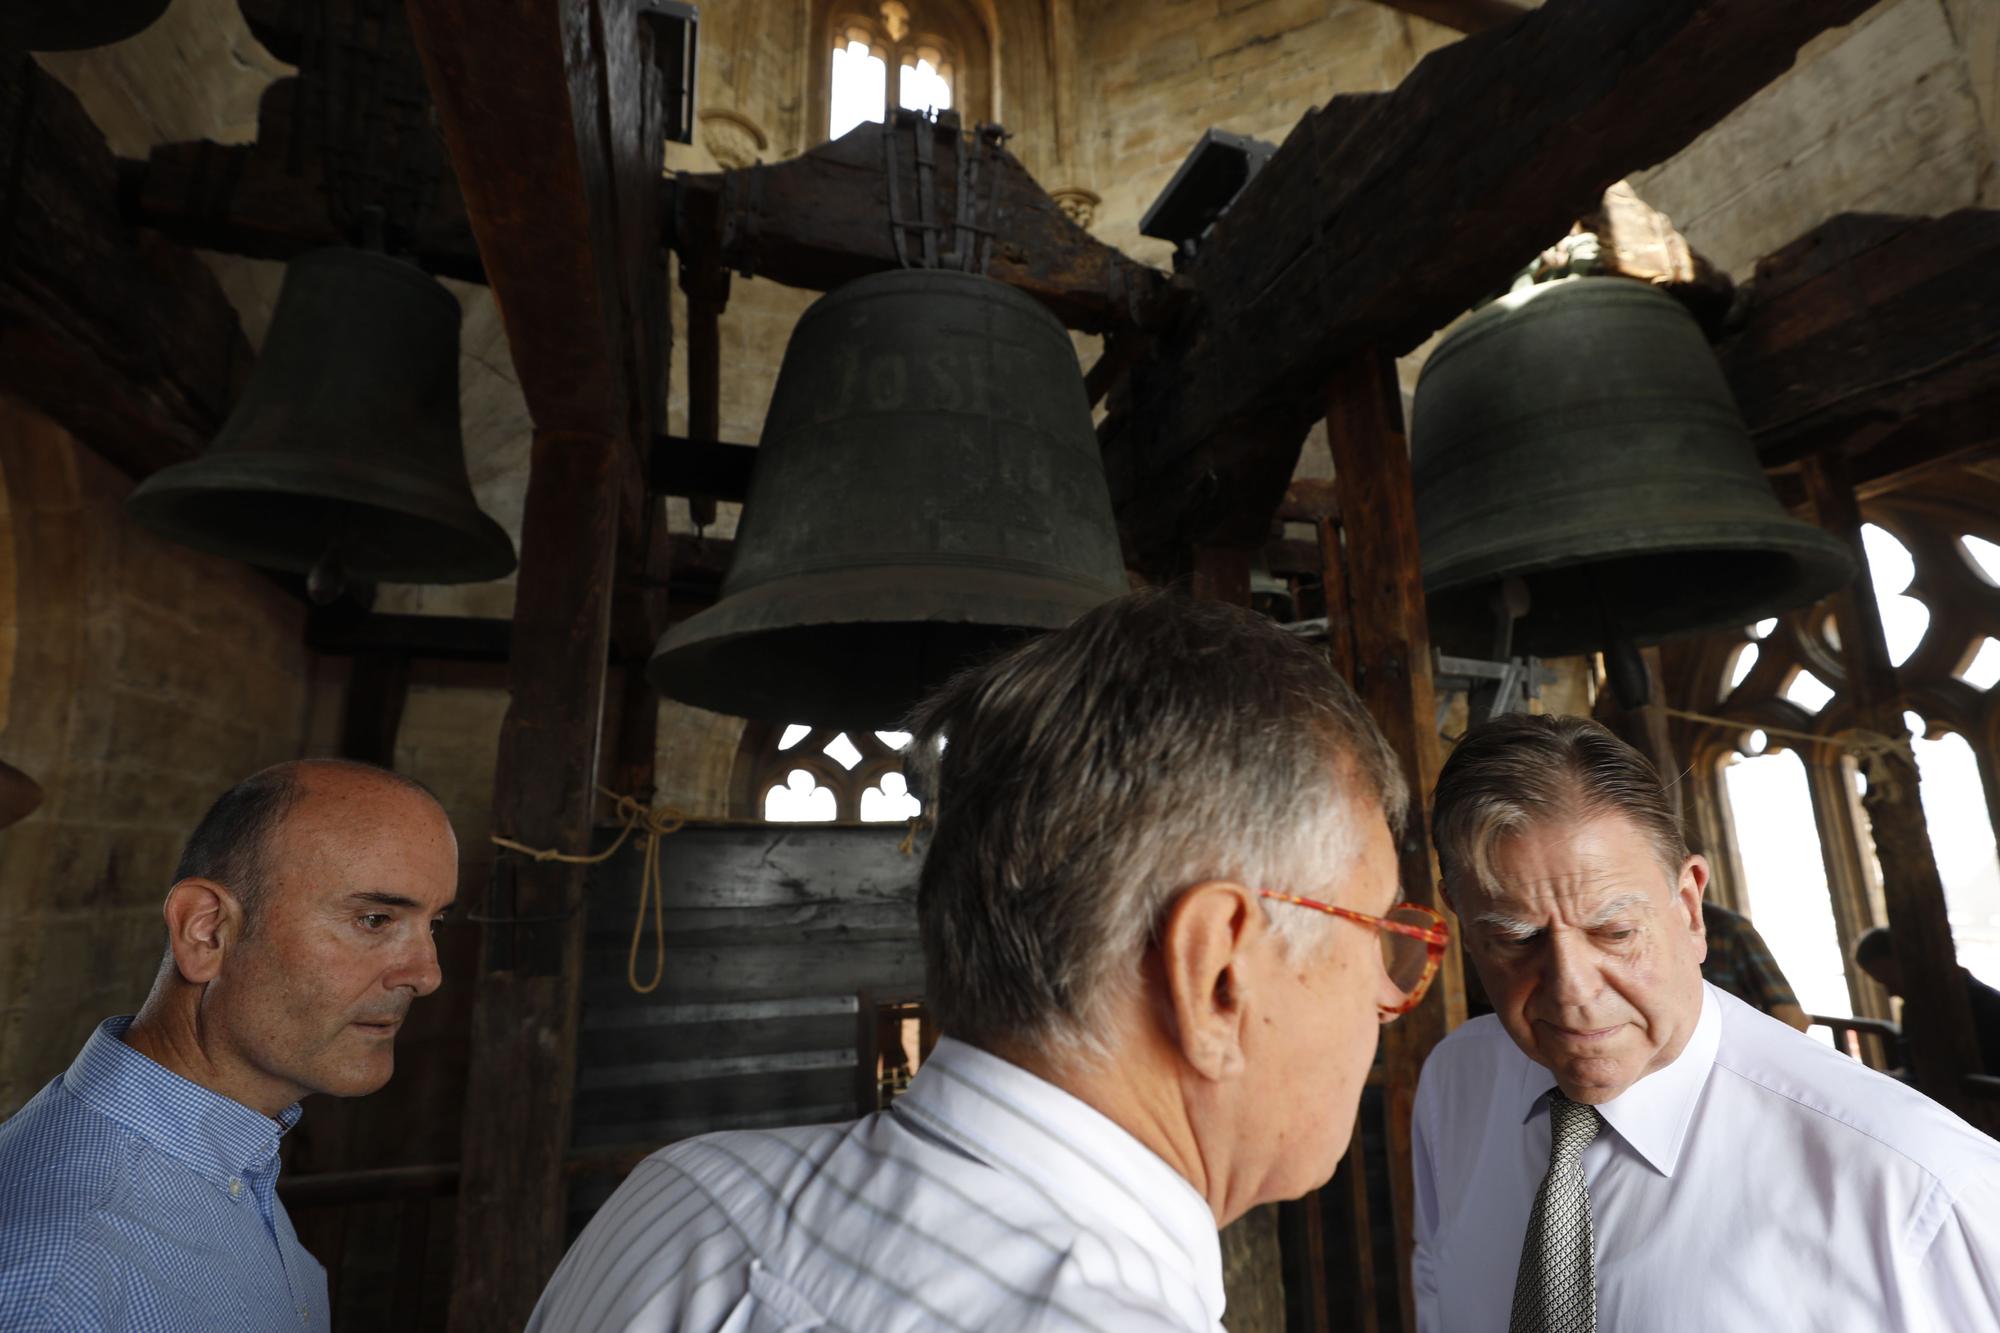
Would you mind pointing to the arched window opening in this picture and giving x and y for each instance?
(1961, 830)
(1891, 568)
(1784, 876)
(1981, 669)
(1808, 692)
(893, 55)
(1741, 664)
(1984, 555)
(820, 774)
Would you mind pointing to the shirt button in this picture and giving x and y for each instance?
(236, 1188)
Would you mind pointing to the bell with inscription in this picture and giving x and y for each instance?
(342, 460)
(1584, 481)
(927, 488)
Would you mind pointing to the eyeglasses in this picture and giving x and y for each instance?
(1413, 939)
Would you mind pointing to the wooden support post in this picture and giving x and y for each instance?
(1943, 1049)
(376, 692)
(517, 1111)
(1222, 574)
(1392, 674)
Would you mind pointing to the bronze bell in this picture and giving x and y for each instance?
(73, 25)
(1579, 437)
(19, 794)
(343, 455)
(928, 487)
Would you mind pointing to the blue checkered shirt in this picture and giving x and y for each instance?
(131, 1198)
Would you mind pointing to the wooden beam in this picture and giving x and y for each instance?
(822, 219)
(1392, 674)
(553, 117)
(678, 465)
(264, 199)
(123, 339)
(1877, 335)
(1943, 1048)
(1384, 215)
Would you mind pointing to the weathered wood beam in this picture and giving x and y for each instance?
(1944, 1047)
(265, 200)
(1391, 657)
(1877, 335)
(553, 117)
(120, 337)
(822, 219)
(1461, 15)
(1385, 215)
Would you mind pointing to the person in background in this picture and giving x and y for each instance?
(1160, 930)
(138, 1190)
(1739, 962)
(1620, 1145)
(1875, 954)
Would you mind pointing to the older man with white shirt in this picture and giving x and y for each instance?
(1621, 1146)
(1160, 923)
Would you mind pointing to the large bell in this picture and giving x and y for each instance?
(343, 456)
(1579, 437)
(928, 487)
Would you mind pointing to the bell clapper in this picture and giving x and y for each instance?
(328, 578)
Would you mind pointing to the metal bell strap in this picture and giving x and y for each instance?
(972, 222)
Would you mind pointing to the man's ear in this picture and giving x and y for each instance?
(1203, 952)
(1688, 893)
(204, 921)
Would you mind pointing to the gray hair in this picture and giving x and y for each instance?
(1094, 774)
(1523, 770)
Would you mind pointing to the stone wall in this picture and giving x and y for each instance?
(144, 680)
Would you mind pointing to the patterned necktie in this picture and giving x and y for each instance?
(1555, 1290)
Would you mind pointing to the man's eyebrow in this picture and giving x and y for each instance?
(1617, 907)
(381, 899)
(1513, 925)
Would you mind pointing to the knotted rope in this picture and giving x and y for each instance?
(657, 822)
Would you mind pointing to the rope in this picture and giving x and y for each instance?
(1871, 749)
(657, 823)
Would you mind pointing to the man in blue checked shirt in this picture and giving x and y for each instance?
(138, 1190)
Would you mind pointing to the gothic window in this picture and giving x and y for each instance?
(1780, 810)
(802, 773)
(911, 54)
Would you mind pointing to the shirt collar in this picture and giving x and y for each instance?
(1080, 1158)
(217, 1137)
(1653, 1114)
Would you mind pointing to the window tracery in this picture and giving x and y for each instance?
(1795, 853)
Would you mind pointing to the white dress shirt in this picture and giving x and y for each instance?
(1762, 1181)
(984, 1198)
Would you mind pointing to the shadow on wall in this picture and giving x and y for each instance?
(137, 681)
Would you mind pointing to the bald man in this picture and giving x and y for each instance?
(138, 1189)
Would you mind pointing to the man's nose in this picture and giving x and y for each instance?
(1570, 970)
(419, 969)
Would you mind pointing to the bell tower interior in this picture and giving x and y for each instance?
(304, 304)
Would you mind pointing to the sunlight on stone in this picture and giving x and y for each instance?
(800, 801)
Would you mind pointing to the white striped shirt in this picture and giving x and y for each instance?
(984, 1198)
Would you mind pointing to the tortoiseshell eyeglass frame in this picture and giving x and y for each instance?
(1435, 937)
